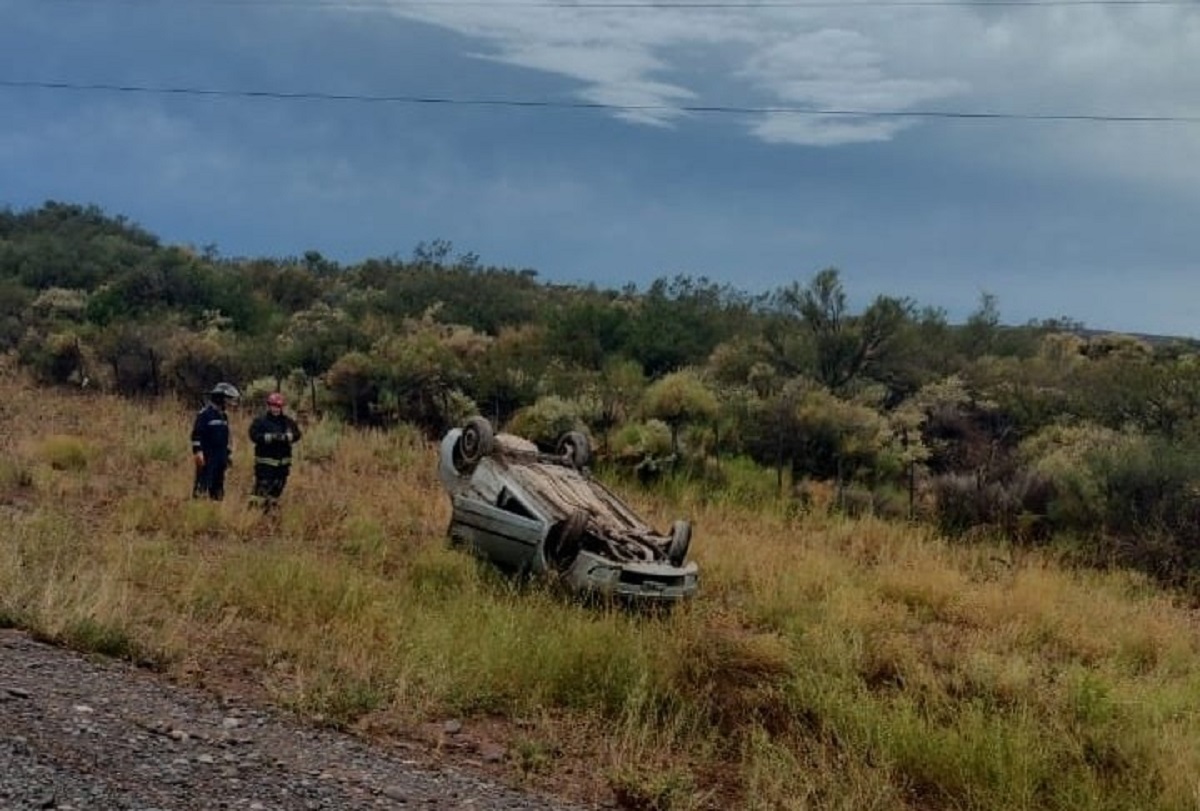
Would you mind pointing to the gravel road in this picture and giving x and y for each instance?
(76, 733)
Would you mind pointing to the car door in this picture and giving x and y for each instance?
(504, 532)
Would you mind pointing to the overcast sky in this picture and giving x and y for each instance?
(616, 172)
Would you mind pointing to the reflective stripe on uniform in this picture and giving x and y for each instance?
(263, 460)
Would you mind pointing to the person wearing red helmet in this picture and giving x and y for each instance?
(273, 433)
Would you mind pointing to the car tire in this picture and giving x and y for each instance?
(474, 443)
(681, 541)
(575, 448)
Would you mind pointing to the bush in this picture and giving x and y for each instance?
(66, 452)
(15, 475)
(636, 441)
(133, 358)
(1151, 508)
(1149, 487)
(196, 361)
(1061, 454)
(321, 440)
(56, 359)
(547, 420)
(740, 480)
(1016, 507)
(1132, 499)
(296, 387)
(353, 382)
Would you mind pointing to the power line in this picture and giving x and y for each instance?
(718, 109)
(652, 4)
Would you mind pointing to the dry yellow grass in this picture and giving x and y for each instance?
(827, 664)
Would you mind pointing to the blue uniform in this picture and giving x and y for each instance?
(210, 436)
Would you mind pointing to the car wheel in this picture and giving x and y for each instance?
(681, 540)
(575, 448)
(474, 443)
(564, 544)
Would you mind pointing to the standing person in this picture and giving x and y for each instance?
(211, 448)
(273, 434)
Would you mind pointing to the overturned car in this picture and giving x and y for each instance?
(542, 513)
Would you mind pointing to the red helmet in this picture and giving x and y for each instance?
(275, 399)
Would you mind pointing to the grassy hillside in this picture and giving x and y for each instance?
(827, 664)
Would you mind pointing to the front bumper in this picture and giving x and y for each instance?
(644, 582)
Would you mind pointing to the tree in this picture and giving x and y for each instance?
(921, 351)
(1160, 397)
(293, 288)
(770, 426)
(678, 399)
(134, 354)
(588, 329)
(195, 361)
(843, 347)
(617, 389)
(315, 338)
(505, 376)
(838, 439)
(419, 372)
(318, 265)
(744, 360)
(417, 376)
(485, 299)
(70, 246)
(434, 252)
(14, 310)
(678, 323)
(353, 384)
(56, 359)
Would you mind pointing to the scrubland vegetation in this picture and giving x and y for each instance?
(828, 663)
(944, 566)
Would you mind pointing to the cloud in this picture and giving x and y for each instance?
(835, 69)
(657, 59)
(1052, 59)
(824, 130)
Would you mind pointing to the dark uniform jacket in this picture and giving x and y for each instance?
(269, 433)
(210, 435)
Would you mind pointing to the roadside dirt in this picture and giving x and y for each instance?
(80, 732)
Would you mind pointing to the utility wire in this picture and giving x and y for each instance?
(650, 4)
(719, 109)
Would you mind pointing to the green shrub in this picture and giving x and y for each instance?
(66, 452)
(547, 420)
(1129, 498)
(646, 789)
(15, 475)
(56, 359)
(320, 441)
(740, 481)
(91, 635)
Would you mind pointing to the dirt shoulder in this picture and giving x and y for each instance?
(78, 732)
